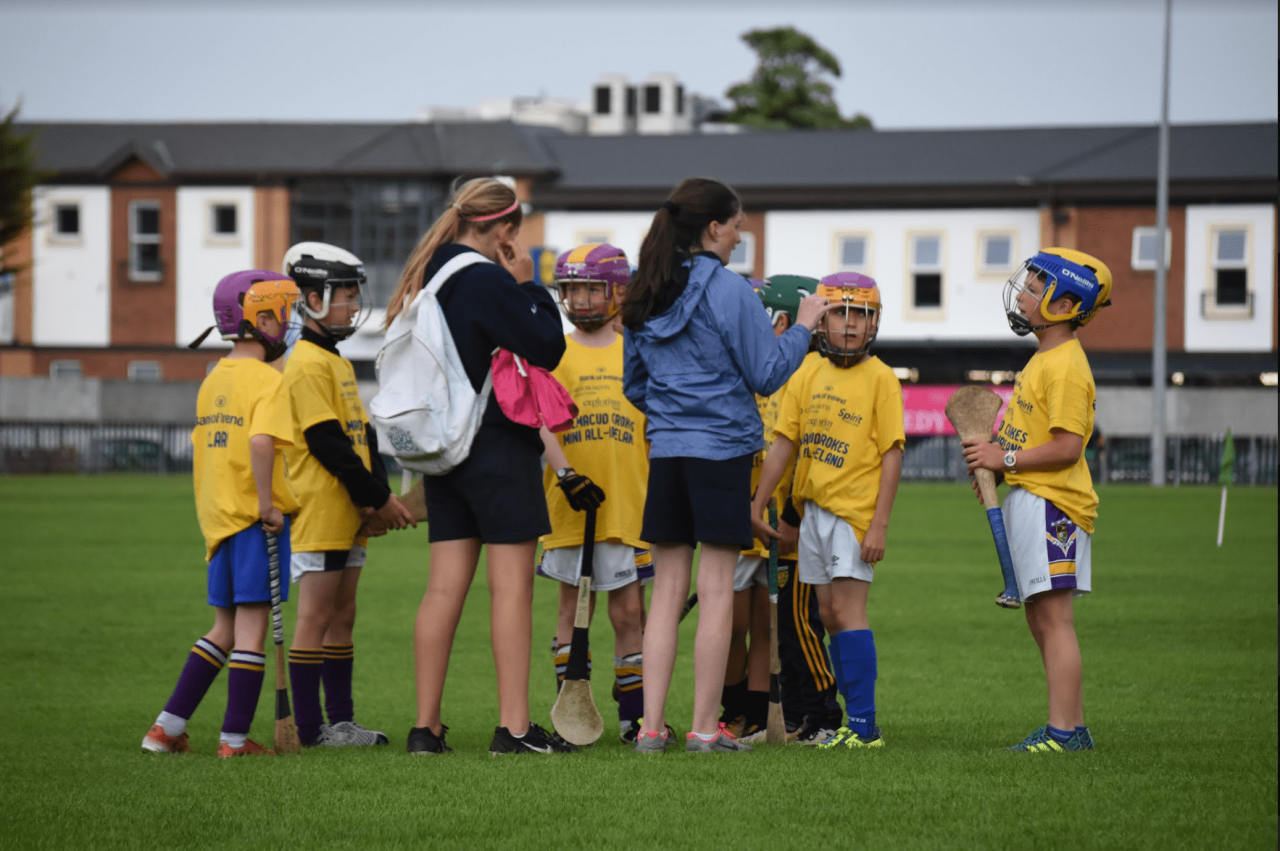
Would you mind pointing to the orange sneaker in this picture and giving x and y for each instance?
(158, 741)
(249, 748)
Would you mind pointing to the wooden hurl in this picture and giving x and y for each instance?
(776, 727)
(972, 411)
(574, 714)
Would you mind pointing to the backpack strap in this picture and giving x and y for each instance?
(451, 268)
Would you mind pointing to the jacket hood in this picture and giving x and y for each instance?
(673, 321)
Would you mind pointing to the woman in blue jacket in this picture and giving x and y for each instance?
(697, 349)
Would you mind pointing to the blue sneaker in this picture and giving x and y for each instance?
(1080, 740)
(1040, 742)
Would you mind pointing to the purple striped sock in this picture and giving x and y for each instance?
(628, 686)
(244, 687)
(339, 659)
(203, 664)
(305, 666)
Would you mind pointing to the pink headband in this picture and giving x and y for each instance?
(510, 209)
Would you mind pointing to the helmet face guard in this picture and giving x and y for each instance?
(854, 293)
(583, 268)
(277, 298)
(1050, 275)
(333, 273)
(338, 292)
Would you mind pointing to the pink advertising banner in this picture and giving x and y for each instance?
(925, 407)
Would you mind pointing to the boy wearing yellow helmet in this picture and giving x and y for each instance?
(1050, 509)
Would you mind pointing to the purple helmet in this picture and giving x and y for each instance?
(228, 303)
(595, 262)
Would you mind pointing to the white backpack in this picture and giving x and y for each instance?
(426, 411)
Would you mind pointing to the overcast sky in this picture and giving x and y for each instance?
(911, 63)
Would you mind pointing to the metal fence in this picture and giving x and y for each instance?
(67, 447)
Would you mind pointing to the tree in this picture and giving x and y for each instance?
(18, 176)
(787, 89)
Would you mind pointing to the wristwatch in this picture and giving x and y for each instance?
(563, 473)
(1010, 461)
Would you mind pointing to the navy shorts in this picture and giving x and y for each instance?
(695, 500)
(495, 495)
(239, 571)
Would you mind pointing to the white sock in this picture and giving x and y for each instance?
(172, 724)
(521, 736)
(708, 737)
(236, 740)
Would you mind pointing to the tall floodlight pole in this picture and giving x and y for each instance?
(1158, 365)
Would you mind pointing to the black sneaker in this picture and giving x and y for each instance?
(537, 740)
(423, 741)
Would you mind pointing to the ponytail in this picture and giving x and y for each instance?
(677, 229)
(478, 205)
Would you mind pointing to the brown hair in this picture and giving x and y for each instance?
(477, 198)
(677, 228)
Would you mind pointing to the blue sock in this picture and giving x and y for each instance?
(856, 676)
(1061, 736)
(1082, 729)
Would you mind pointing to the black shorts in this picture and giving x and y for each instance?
(694, 500)
(495, 495)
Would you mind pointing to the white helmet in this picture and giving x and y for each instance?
(320, 267)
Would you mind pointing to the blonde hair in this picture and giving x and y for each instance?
(478, 198)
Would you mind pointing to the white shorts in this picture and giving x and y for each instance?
(325, 560)
(1049, 550)
(829, 548)
(750, 570)
(615, 566)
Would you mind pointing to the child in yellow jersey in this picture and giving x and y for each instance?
(340, 480)
(603, 454)
(242, 425)
(1050, 509)
(843, 411)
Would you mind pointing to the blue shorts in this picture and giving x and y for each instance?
(239, 571)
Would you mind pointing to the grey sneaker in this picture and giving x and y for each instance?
(652, 742)
(348, 734)
(724, 742)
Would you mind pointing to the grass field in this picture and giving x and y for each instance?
(103, 594)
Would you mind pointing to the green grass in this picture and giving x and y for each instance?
(103, 593)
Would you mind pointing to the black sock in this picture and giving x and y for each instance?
(757, 708)
(733, 699)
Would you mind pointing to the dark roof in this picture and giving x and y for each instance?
(196, 151)
(872, 165)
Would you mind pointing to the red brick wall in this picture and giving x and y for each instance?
(143, 312)
(175, 364)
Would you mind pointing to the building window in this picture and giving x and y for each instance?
(679, 100)
(604, 100)
(652, 100)
(996, 253)
(926, 272)
(66, 221)
(743, 258)
(64, 369)
(853, 252)
(1143, 256)
(144, 241)
(224, 221)
(144, 370)
(1231, 266)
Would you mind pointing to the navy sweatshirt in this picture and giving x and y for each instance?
(485, 307)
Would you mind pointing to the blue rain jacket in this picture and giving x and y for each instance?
(694, 370)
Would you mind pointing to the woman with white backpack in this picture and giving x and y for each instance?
(494, 497)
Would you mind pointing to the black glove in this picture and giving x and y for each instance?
(581, 492)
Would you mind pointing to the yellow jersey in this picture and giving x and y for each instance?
(322, 386)
(606, 444)
(1054, 390)
(769, 407)
(842, 421)
(239, 398)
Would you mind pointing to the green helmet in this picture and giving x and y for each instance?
(782, 294)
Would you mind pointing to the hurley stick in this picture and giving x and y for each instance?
(286, 733)
(574, 714)
(776, 729)
(972, 411)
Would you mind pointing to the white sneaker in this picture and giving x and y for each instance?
(357, 734)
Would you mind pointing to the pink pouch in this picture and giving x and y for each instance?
(529, 395)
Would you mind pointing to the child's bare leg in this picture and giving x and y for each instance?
(511, 628)
(343, 620)
(317, 596)
(222, 633)
(453, 565)
(848, 604)
(250, 621)
(626, 615)
(715, 623)
(736, 668)
(568, 608)
(1053, 614)
(672, 568)
(758, 653)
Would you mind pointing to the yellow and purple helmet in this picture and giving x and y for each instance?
(857, 293)
(231, 318)
(1063, 271)
(593, 263)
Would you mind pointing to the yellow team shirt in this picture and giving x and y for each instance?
(842, 421)
(606, 444)
(1054, 390)
(240, 398)
(322, 386)
(769, 407)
